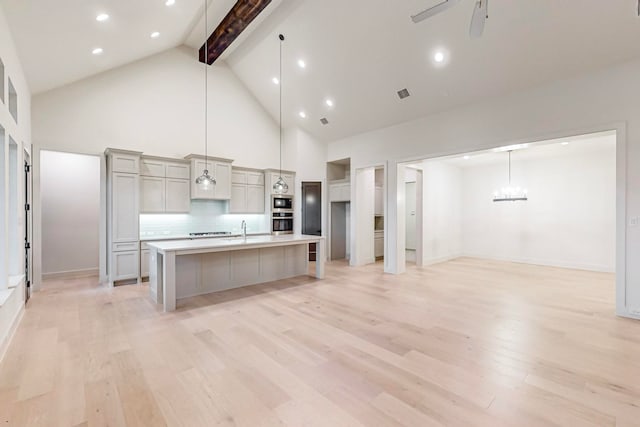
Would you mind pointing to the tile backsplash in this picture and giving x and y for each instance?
(205, 215)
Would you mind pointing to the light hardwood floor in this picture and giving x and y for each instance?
(467, 342)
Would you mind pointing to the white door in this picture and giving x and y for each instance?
(410, 212)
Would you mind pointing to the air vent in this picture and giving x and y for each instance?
(404, 93)
(324, 121)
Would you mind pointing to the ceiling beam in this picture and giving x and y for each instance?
(236, 21)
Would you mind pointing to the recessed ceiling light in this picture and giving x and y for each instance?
(466, 157)
(329, 102)
(565, 143)
(102, 17)
(155, 35)
(275, 81)
(97, 51)
(170, 2)
(301, 63)
(302, 114)
(438, 56)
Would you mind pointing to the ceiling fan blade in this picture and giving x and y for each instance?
(480, 15)
(439, 8)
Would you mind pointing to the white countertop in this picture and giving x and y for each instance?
(218, 244)
(160, 237)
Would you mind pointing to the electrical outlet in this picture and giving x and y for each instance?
(634, 221)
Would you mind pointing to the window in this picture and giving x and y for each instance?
(14, 228)
(13, 101)
(3, 210)
(1, 80)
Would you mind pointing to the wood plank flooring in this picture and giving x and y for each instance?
(468, 342)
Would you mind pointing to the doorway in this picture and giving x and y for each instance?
(70, 189)
(312, 208)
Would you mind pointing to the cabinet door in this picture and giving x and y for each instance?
(177, 197)
(125, 265)
(223, 181)
(255, 178)
(238, 203)
(152, 194)
(125, 207)
(255, 199)
(379, 247)
(345, 192)
(238, 177)
(144, 262)
(149, 167)
(379, 203)
(178, 171)
(127, 163)
(199, 191)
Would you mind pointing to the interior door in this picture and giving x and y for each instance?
(312, 208)
(410, 213)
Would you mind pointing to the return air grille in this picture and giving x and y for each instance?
(324, 121)
(404, 93)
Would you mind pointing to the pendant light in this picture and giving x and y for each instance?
(510, 193)
(280, 186)
(205, 180)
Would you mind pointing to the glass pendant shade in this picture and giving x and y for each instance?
(280, 186)
(205, 179)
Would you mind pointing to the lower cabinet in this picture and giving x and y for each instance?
(378, 244)
(125, 265)
(144, 262)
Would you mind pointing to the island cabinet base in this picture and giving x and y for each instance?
(186, 268)
(212, 272)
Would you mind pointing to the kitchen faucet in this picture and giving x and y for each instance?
(243, 226)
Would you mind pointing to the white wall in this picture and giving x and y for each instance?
(568, 221)
(441, 212)
(602, 100)
(12, 300)
(70, 186)
(156, 106)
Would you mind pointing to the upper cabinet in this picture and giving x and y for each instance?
(288, 177)
(219, 169)
(164, 185)
(340, 191)
(247, 191)
(124, 162)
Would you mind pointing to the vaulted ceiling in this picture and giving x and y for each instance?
(358, 53)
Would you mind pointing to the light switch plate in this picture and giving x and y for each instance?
(634, 221)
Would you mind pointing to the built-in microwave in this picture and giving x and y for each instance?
(282, 223)
(281, 203)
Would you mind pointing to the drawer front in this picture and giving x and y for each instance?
(125, 163)
(238, 177)
(152, 168)
(127, 246)
(178, 170)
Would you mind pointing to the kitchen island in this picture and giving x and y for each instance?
(185, 268)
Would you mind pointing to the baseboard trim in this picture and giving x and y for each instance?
(4, 345)
(546, 263)
(426, 263)
(73, 274)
